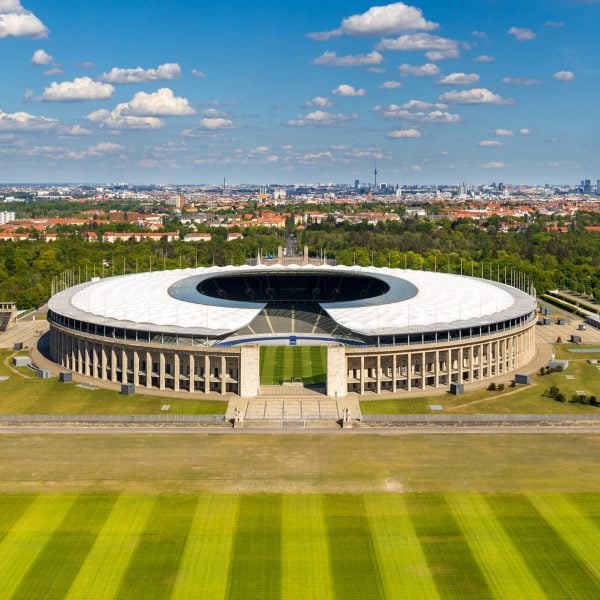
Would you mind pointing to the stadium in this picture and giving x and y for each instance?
(201, 330)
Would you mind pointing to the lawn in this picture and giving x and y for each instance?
(279, 364)
(318, 546)
(27, 394)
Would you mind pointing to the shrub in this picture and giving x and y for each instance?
(553, 392)
(492, 387)
(500, 387)
(560, 398)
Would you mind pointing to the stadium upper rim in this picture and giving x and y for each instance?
(169, 302)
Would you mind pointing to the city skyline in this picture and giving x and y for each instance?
(288, 93)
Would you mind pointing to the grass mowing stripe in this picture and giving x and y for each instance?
(288, 362)
(352, 554)
(507, 574)
(255, 566)
(579, 531)
(264, 358)
(11, 509)
(549, 558)
(204, 565)
(305, 551)
(454, 568)
(101, 573)
(588, 505)
(153, 567)
(51, 574)
(402, 563)
(27, 538)
(297, 362)
(278, 365)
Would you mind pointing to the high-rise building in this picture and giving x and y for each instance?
(587, 186)
(6, 217)
(356, 185)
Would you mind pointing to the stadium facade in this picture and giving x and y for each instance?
(200, 330)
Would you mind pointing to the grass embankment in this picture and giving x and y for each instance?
(24, 393)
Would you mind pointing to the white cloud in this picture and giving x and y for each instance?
(213, 123)
(78, 90)
(521, 81)
(53, 71)
(504, 132)
(260, 150)
(348, 90)
(404, 133)
(380, 20)
(564, 76)
(490, 144)
(426, 70)
(213, 112)
(272, 158)
(419, 112)
(41, 57)
(16, 21)
(22, 121)
(162, 103)
(459, 79)
(556, 24)
(97, 150)
(77, 130)
(331, 59)
(119, 119)
(484, 58)
(478, 34)
(474, 96)
(494, 165)
(198, 74)
(522, 34)
(418, 41)
(390, 85)
(165, 72)
(524, 131)
(437, 55)
(319, 102)
(323, 118)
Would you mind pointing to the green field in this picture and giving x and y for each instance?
(279, 364)
(24, 393)
(300, 546)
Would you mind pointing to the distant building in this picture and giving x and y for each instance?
(7, 217)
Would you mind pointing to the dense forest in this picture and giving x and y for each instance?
(551, 259)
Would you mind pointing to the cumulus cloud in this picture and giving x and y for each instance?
(260, 150)
(41, 57)
(198, 74)
(319, 102)
(419, 112)
(214, 123)
(404, 133)
(521, 81)
(331, 59)
(504, 132)
(564, 76)
(77, 130)
(494, 165)
(24, 122)
(522, 34)
(322, 118)
(426, 70)
(165, 72)
(437, 55)
(490, 144)
(459, 79)
(53, 71)
(380, 20)
(474, 96)
(78, 90)
(119, 118)
(162, 103)
(16, 21)
(348, 90)
(524, 131)
(97, 150)
(484, 58)
(437, 47)
(390, 85)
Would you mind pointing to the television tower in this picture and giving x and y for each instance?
(375, 173)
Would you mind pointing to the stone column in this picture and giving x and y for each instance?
(136, 368)
(87, 364)
(461, 367)
(423, 371)
(206, 373)
(408, 371)
(394, 366)
(113, 365)
(161, 371)
(148, 370)
(436, 370)
(124, 366)
(192, 374)
(223, 374)
(362, 374)
(103, 363)
(95, 361)
(337, 383)
(176, 373)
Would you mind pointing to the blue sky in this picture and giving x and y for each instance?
(292, 92)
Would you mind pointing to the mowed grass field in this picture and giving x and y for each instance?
(300, 546)
(279, 364)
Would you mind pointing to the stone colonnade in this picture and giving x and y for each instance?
(415, 367)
